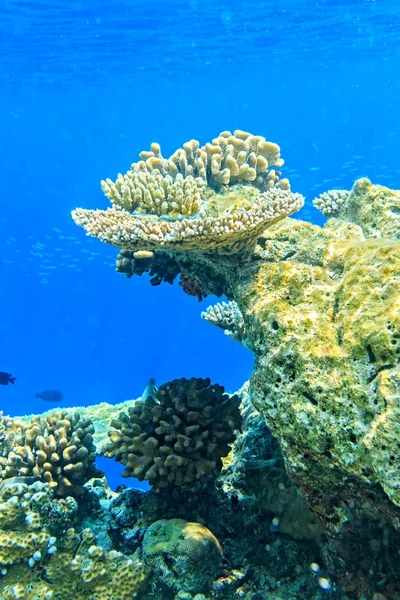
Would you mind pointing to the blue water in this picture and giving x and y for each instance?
(85, 86)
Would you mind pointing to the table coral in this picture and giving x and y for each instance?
(183, 555)
(216, 197)
(179, 438)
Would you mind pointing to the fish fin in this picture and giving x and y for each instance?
(150, 391)
(12, 380)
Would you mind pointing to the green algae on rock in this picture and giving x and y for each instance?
(321, 312)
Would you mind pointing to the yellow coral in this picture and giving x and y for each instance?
(56, 448)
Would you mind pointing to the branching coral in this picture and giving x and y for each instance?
(176, 185)
(228, 317)
(56, 448)
(180, 438)
(330, 202)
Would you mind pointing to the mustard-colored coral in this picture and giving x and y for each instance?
(41, 554)
(326, 329)
(22, 535)
(81, 569)
(183, 555)
(375, 208)
(56, 448)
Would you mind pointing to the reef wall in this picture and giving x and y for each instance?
(320, 309)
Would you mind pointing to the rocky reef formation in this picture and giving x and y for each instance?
(307, 503)
(217, 541)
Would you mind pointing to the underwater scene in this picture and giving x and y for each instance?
(200, 315)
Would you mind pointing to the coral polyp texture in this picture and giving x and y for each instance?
(43, 556)
(217, 197)
(330, 202)
(227, 316)
(56, 448)
(322, 312)
(179, 437)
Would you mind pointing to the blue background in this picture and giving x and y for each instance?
(85, 86)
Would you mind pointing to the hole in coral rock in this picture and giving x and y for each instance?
(310, 398)
(371, 355)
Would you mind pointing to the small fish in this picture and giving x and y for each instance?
(150, 391)
(6, 378)
(50, 395)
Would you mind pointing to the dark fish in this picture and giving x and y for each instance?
(150, 391)
(50, 395)
(6, 378)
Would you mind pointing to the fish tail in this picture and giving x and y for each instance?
(12, 380)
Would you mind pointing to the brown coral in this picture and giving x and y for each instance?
(180, 438)
(158, 265)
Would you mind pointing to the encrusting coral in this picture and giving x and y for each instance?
(42, 556)
(56, 448)
(177, 438)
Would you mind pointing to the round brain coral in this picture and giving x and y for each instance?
(177, 437)
(183, 556)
